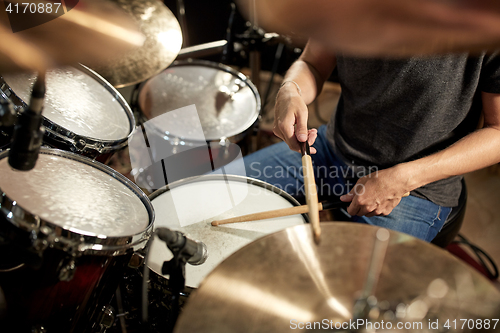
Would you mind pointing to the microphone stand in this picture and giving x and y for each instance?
(28, 132)
(176, 269)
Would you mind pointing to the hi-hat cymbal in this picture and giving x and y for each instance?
(92, 31)
(163, 43)
(284, 279)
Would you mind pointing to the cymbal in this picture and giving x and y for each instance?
(163, 43)
(284, 279)
(93, 30)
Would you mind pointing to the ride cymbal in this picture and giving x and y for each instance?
(284, 279)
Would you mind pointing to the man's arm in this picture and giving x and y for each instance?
(309, 72)
(383, 191)
(385, 27)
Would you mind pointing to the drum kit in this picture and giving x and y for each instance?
(83, 247)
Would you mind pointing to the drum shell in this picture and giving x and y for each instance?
(195, 162)
(59, 137)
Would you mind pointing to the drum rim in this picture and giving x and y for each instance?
(205, 63)
(79, 142)
(72, 240)
(238, 178)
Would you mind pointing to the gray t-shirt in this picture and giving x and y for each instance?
(394, 111)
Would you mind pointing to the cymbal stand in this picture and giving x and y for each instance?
(181, 15)
(28, 131)
(367, 300)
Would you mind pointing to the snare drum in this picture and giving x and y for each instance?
(67, 230)
(82, 112)
(191, 205)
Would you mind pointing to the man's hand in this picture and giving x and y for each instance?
(290, 118)
(377, 193)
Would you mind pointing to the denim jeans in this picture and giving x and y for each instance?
(282, 167)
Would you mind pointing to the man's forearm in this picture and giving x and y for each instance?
(475, 151)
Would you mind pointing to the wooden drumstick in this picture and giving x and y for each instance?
(311, 191)
(270, 214)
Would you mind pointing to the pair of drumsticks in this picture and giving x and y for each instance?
(313, 207)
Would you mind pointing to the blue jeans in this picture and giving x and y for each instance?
(281, 167)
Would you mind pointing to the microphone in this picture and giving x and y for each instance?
(28, 132)
(195, 252)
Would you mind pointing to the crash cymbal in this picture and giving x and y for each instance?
(91, 31)
(284, 279)
(163, 43)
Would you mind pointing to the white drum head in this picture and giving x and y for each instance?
(76, 101)
(75, 196)
(205, 201)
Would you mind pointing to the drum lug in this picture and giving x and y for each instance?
(136, 260)
(67, 271)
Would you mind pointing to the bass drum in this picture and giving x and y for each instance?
(82, 112)
(68, 228)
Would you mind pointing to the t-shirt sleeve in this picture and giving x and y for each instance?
(489, 81)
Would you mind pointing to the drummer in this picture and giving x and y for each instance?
(401, 125)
